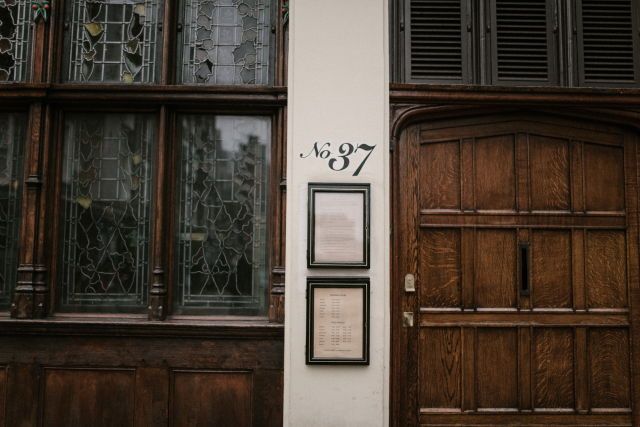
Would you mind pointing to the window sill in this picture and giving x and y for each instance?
(133, 326)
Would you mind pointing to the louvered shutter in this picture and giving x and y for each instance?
(437, 42)
(523, 42)
(607, 55)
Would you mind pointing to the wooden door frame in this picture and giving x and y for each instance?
(410, 108)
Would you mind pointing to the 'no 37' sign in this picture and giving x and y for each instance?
(342, 159)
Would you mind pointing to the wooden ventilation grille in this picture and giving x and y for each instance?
(436, 45)
(607, 34)
(522, 46)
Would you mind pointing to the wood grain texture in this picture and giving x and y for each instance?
(3, 394)
(152, 395)
(544, 359)
(497, 368)
(495, 269)
(440, 175)
(603, 178)
(609, 368)
(549, 172)
(606, 277)
(439, 278)
(553, 375)
(440, 368)
(268, 395)
(551, 269)
(203, 399)
(22, 394)
(495, 178)
(82, 397)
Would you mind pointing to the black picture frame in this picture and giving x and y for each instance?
(337, 283)
(317, 188)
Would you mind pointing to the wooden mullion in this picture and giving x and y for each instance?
(277, 198)
(168, 53)
(55, 208)
(281, 38)
(172, 177)
(157, 309)
(31, 270)
(42, 286)
(39, 52)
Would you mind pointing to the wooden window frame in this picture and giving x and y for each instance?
(47, 100)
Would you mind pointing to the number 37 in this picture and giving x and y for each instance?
(341, 160)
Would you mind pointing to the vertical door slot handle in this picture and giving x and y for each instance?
(524, 269)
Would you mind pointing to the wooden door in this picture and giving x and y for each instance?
(521, 231)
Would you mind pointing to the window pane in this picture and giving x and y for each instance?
(12, 135)
(225, 42)
(112, 40)
(222, 212)
(15, 40)
(106, 192)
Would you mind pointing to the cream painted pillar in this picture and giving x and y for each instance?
(338, 93)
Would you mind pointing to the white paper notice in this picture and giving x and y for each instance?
(339, 225)
(338, 323)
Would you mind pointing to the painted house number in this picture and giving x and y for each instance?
(342, 159)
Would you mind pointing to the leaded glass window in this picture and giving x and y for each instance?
(225, 42)
(15, 40)
(113, 40)
(12, 135)
(222, 214)
(106, 190)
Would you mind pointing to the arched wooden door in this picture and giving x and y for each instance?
(521, 232)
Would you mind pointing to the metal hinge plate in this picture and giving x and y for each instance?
(407, 319)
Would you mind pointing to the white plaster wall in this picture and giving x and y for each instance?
(338, 92)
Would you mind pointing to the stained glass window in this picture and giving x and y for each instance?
(12, 135)
(113, 40)
(106, 198)
(225, 41)
(222, 214)
(15, 40)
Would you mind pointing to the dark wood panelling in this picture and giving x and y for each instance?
(439, 275)
(440, 169)
(606, 269)
(22, 393)
(82, 397)
(533, 420)
(268, 396)
(495, 268)
(497, 368)
(440, 378)
(551, 269)
(604, 178)
(609, 368)
(202, 399)
(484, 350)
(553, 375)
(549, 172)
(125, 380)
(152, 395)
(495, 182)
(3, 393)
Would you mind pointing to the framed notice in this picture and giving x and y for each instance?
(338, 225)
(337, 321)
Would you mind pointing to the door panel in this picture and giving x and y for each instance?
(505, 335)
